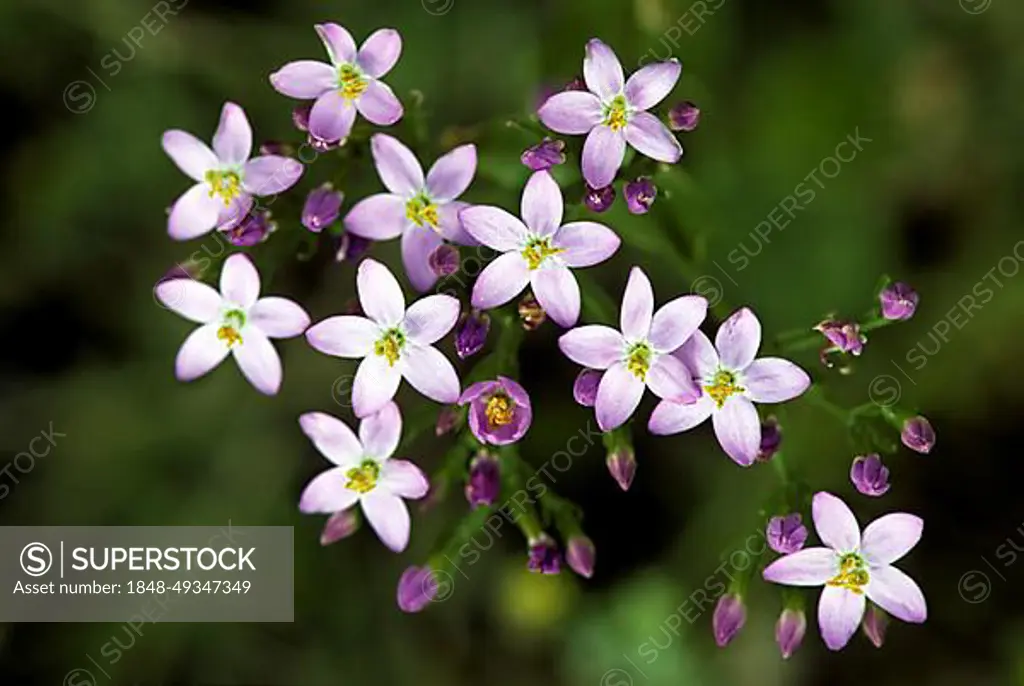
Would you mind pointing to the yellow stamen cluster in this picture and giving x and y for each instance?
(537, 250)
(363, 479)
(638, 360)
(852, 574)
(390, 346)
(421, 212)
(229, 335)
(722, 386)
(616, 116)
(225, 184)
(351, 82)
(500, 410)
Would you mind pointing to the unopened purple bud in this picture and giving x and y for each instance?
(771, 439)
(599, 199)
(577, 84)
(789, 631)
(350, 247)
(684, 117)
(471, 334)
(584, 391)
(323, 205)
(544, 155)
(918, 435)
(869, 475)
(252, 230)
(730, 616)
(622, 465)
(484, 481)
(875, 623)
(340, 525)
(444, 260)
(189, 269)
(580, 554)
(416, 589)
(447, 418)
(300, 117)
(321, 145)
(640, 195)
(787, 534)
(276, 148)
(544, 556)
(899, 301)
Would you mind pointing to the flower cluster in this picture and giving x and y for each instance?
(539, 253)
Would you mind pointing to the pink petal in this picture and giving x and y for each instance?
(637, 306)
(699, 355)
(571, 112)
(452, 173)
(194, 213)
(618, 396)
(738, 429)
(594, 346)
(332, 116)
(326, 493)
(379, 217)
(836, 525)
(650, 137)
(558, 293)
(669, 379)
(890, 537)
(494, 227)
(258, 360)
(344, 336)
(404, 479)
(380, 432)
(231, 215)
(389, 517)
(271, 174)
(476, 390)
(398, 168)
(738, 339)
(676, 321)
(379, 52)
(191, 299)
(430, 373)
(586, 243)
(652, 84)
(379, 293)
(541, 205)
(671, 418)
(450, 223)
(191, 155)
(897, 594)
(340, 46)
(417, 244)
(501, 280)
(201, 352)
(379, 104)
(233, 139)
(375, 385)
(239, 281)
(808, 567)
(774, 380)
(278, 317)
(839, 613)
(602, 70)
(602, 155)
(430, 318)
(333, 438)
(304, 79)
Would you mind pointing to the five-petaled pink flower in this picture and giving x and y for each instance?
(854, 568)
(614, 112)
(349, 83)
(392, 341)
(424, 211)
(363, 473)
(226, 179)
(236, 320)
(538, 250)
(640, 356)
(732, 381)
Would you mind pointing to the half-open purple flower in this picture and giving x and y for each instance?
(226, 179)
(350, 83)
(537, 251)
(898, 301)
(640, 356)
(869, 475)
(323, 205)
(613, 112)
(732, 381)
(854, 568)
(787, 534)
(499, 411)
(422, 210)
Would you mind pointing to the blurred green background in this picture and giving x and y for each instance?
(931, 199)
